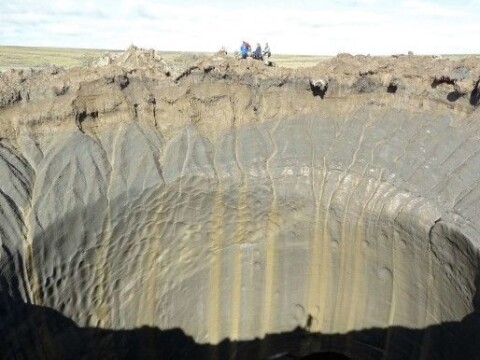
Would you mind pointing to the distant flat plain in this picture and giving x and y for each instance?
(39, 57)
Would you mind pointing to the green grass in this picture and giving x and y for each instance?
(31, 57)
(36, 57)
(298, 61)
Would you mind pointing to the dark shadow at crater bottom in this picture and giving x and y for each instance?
(35, 332)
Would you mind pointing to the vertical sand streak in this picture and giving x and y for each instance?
(321, 288)
(345, 299)
(270, 248)
(269, 293)
(311, 291)
(271, 234)
(216, 249)
(33, 280)
(214, 331)
(241, 227)
(358, 281)
(242, 224)
(393, 299)
(323, 260)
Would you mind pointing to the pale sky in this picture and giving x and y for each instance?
(290, 26)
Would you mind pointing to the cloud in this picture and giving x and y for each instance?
(356, 26)
(430, 9)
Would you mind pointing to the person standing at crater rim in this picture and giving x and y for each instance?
(257, 54)
(266, 55)
(266, 51)
(245, 49)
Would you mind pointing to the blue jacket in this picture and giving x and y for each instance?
(244, 49)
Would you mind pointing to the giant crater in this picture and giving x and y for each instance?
(222, 209)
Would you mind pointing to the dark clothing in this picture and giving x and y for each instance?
(258, 53)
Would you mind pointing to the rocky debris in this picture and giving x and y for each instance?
(365, 84)
(105, 60)
(121, 80)
(11, 97)
(60, 90)
(319, 87)
(393, 86)
(475, 94)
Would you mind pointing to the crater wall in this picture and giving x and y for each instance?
(228, 201)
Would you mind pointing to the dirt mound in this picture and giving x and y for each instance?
(417, 76)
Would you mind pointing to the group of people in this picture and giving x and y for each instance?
(258, 54)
